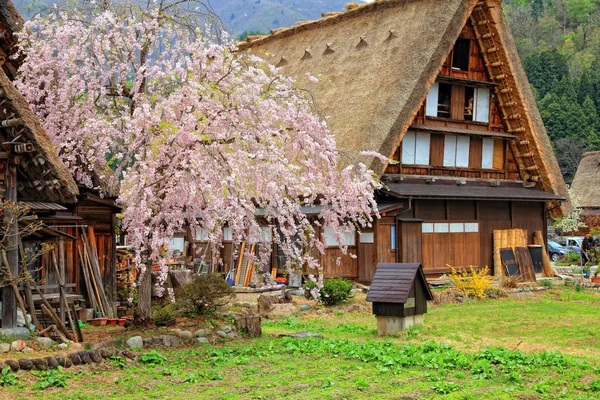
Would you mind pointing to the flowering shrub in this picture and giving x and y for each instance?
(473, 283)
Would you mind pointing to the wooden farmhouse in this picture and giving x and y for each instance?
(31, 172)
(586, 189)
(437, 86)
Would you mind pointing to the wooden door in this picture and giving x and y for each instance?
(409, 240)
(367, 258)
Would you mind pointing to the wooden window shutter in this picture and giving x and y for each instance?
(475, 153)
(437, 150)
(498, 162)
(457, 102)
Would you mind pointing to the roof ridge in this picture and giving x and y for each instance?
(353, 10)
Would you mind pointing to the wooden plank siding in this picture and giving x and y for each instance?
(469, 248)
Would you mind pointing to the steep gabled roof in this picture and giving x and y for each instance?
(10, 22)
(376, 63)
(586, 184)
(41, 174)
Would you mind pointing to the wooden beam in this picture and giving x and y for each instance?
(9, 300)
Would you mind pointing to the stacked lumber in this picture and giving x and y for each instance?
(507, 239)
(88, 257)
(245, 267)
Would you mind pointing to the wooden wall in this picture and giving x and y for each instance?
(464, 249)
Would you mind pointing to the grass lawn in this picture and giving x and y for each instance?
(464, 351)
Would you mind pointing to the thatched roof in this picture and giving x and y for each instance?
(10, 22)
(376, 63)
(586, 184)
(41, 174)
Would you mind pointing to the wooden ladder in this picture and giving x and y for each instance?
(512, 111)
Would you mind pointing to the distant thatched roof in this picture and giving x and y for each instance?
(41, 174)
(376, 63)
(586, 184)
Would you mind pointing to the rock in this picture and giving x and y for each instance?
(75, 359)
(282, 310)
(4, 347)
(24, 321)
(68, 363)
(106, 344)
(175, 330)
(128, 354)
(44, 342)
(300, 335)
(27, 350)
(200, 333)
(13, 364)
(52, 362)
(85, 357)
(62, 346)
(18, 345)
(202, 340)
(169, 340)
(297, 292)
(60, 360)
(221, 334)
(231, 335)
(25, 364)
(17, 333)
(305, 307)
(266, 303)
(186, 335)
(106, 353)
(226, 329)
(76, 346)
(180, 277)
(40, 364)
(95, 356)
(135, 342)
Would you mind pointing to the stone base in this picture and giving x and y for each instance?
(391, 325)
(16, 333)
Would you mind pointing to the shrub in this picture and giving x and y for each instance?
(203, 294)
(335, 291)
(473, 283)
(164, 315)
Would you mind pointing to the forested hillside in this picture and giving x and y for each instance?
(559, 44)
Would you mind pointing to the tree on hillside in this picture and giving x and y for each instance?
(196, 134)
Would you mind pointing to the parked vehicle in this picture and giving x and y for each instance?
(572, 243)
(556, 250)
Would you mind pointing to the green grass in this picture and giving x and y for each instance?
(465, 351)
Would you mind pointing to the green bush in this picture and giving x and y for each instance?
(203, 294)
(163, 315)
(335, 291)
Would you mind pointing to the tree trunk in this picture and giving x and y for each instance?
(143, 313)
(249, 324)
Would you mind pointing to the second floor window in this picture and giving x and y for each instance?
(458, 102)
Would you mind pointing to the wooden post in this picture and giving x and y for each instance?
(9, 301)
(538, 238)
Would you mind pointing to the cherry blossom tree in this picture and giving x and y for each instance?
(193, 133)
